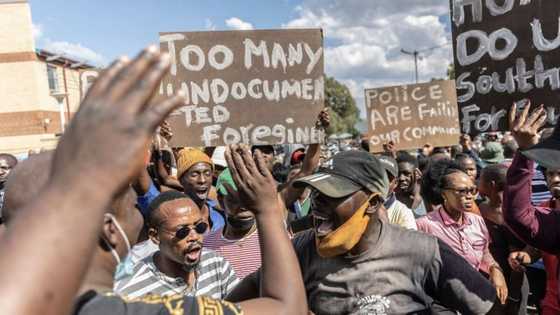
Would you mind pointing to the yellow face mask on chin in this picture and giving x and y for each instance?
(346, 236)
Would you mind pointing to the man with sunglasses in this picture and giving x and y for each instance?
(354, 263)
(181, 265)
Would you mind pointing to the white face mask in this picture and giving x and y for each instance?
(123, 234)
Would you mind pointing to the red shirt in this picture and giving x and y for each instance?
(551, 266)
(537, 226)
(244, 255)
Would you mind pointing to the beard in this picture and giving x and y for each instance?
(190, 266)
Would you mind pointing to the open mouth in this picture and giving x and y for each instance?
(201, 193)
(244, 216)
(192, 254)
(403, 186)
(244, 219)
(323, 225)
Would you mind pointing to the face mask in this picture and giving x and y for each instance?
(239, 224)
(126, 267)
(346, 236)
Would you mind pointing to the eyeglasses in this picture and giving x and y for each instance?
(464, 191)
(199, 228)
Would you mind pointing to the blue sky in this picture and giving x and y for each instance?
(123, 27)
(363, 38)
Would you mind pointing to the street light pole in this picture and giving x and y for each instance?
(415, 55)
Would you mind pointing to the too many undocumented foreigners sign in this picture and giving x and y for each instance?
(257, 87)
(505, 51)
(413, 115)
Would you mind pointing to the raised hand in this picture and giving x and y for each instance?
(518, 260)
(255, 184)
(115, 123)
(323, 120)
(390, 149)
(165, 131)
(525, 128)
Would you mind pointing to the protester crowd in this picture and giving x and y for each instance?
(115, 221)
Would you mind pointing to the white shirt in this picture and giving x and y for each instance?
(399, 214)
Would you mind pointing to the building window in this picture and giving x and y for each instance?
(53, 78)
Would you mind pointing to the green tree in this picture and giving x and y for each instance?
(451, 72)
(344, 113)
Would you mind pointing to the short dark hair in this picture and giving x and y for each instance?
(423, 163)
(496, 173)
(510, 148)
(364, 144)
(263, 148)
(280, 171)
(12, 160)
(436, 179)
(154, 219)
(405, 157)
(26, 179)
(456, 149)
(440, 150)
(462, 157)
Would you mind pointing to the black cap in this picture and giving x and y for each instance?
(346, 173)
(547, 152)
(390, 165)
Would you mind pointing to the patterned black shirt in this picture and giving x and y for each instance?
(92, 303)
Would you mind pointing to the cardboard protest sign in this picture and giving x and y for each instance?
(505, 51)
(256, 87)
(87, 77)
(413, 115)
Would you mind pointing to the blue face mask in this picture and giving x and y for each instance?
(124, 267)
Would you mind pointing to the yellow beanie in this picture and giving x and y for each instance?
(189, 157)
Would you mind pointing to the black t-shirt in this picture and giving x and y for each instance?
(92, 303)
(502, 243)
(402, 274)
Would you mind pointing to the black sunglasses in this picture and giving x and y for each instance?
(184, 231)
(464, 191)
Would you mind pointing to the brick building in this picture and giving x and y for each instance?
(39, 90)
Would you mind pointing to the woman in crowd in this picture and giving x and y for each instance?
(453, 193)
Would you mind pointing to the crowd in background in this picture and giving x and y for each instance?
(438, 230)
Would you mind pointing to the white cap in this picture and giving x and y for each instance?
(218, 157)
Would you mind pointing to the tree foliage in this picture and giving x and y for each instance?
(344, 113)
(451, 72)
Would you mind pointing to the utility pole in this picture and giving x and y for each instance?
(416, 55)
